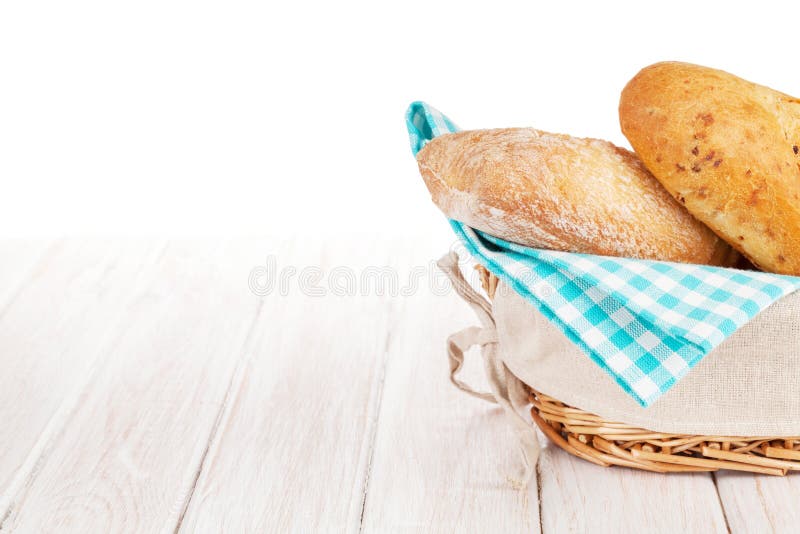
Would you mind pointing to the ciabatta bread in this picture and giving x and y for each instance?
(727, 149)
(559, 192)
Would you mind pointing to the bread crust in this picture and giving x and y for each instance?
(560, 192)
(727, 149)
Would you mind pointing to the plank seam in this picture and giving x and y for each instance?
(721, 502)
(231, 393)
(376, 400)
(539, 492)
(55, 426)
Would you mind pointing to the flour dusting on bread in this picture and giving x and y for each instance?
(559, 192)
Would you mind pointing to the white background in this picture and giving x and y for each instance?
(198, 117)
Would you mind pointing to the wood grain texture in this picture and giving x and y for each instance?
(294, 447)
(757, 503)
(129, 457)
(51, 332)
(443, 461)
(145, 388)
(577, 496)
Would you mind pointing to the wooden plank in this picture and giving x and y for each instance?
(129, 457)
(51, 331)
(294, 443)
(758, 503)
(443, 461)
(577, 496)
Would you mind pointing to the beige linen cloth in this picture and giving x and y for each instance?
(748, 386)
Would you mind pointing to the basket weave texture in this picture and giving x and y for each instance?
(597, 440)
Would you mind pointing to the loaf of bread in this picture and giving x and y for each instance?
(727, 149)
(559, 192)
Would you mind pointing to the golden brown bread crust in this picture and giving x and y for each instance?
(560, 192)
(726, 148)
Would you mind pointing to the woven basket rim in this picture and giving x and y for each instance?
(612, 443)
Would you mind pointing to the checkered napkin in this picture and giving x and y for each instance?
(646, 323)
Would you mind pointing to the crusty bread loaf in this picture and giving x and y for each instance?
(727, 149)
(560, 192)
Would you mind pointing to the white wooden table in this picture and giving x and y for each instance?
(145, 387)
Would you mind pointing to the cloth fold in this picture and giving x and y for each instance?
(506, 389)
(646, 323)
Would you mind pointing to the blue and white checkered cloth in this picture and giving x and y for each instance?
(646, 323)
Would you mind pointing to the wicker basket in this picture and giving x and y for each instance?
(607, 443)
